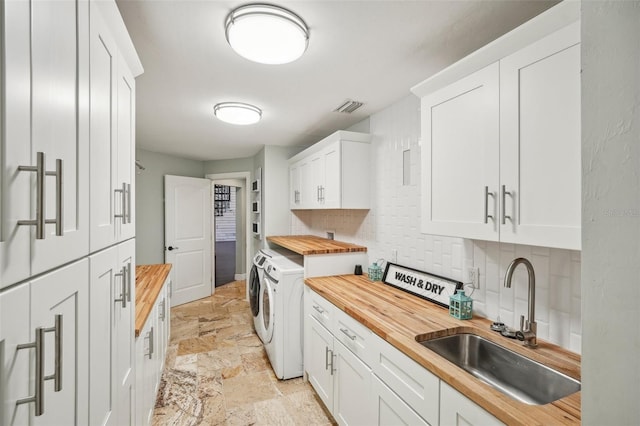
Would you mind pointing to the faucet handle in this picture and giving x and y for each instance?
(522, 323)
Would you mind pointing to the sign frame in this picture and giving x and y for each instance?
(415, 282)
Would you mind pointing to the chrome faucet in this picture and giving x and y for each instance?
(528, 328)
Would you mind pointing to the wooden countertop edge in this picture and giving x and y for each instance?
(381, 321)
(149, 282)
(311, 244)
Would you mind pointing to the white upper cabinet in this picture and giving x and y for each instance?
(540, 164)
(112, 138)
(461, 157)
(44, 170)
(332, 174)
(501, 145)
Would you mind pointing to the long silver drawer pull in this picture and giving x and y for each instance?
(123, 202)
(346, 332)
(128, 187)
(59, 198)
(40, 220)
(326, 357)
(151, 343)
(319, 309)
(487, 194)
(123, 286)
(333, 357)
(129, 281)
(504, 205)
(38, 345)
(162, 312)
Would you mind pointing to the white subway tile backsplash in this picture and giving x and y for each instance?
(393, 222)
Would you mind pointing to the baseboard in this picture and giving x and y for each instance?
(240, 277)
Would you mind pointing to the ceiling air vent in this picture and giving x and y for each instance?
(348, 106)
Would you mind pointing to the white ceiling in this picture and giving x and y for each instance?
(370, 51)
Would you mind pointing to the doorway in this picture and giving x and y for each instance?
(226, 220)
(239, 182)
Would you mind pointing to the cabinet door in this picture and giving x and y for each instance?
(316, 164)
(456, 409)
(64, 292)
(390, 409)
(14, 376)
(123, 332)
(60, 126)
(15, 203)
(352, 389)
(294, 186)
(330, 188)
(540, 154)
(307, 191)
(321, 365)
(460, 157)
(105, 287)
(103, 150)
(145, 375)
(126, 150)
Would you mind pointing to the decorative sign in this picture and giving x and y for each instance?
(422, 284)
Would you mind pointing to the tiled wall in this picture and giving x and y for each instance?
(393, 223)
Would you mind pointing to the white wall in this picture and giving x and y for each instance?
(611, 212)
(394, 223)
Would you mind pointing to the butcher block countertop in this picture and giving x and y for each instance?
(399, 317)
(310, 244)
(149, 281)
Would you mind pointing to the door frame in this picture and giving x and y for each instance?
(246, 176)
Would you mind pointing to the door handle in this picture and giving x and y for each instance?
(123, 281)
(504, 204)
(171, 248)
(487, 194)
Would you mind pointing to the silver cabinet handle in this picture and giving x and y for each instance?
(123, 202)
(332, 368)
(318, 309)
(129, 280)
(150, 343)
(41, 172)
(326, 357)
(127, 188)
(318, 193)
(487, 194)
(346, 332)
(504, 204)
(163, 312)
(38, 345)
(123, 286)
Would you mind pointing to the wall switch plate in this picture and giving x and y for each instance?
(394, 256)
(473, 276)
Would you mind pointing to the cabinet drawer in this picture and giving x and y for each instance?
(321, 309)
(355, 336)
(409, 380)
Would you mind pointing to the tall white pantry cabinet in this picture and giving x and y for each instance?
(67, 267)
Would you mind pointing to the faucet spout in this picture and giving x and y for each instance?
(528, 328)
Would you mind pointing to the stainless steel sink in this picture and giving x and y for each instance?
(511, 373)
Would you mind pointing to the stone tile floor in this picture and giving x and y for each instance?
(217, 371)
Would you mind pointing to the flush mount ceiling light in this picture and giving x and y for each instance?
(237, 113)
(266, 34)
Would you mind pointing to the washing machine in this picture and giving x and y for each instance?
(256, 278)
(281, 315)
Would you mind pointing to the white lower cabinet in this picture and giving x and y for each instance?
(111, 324)
(364, 380)
(341, 379)
(390, 409)
(150, 351)
(456, 409)
(45, 323)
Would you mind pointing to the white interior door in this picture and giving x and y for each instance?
(188, 237)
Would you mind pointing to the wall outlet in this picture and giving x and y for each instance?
(473, 276)
(394, 256)
(330, 234)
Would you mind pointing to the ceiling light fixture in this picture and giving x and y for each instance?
(237, 113)
(266, 34)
